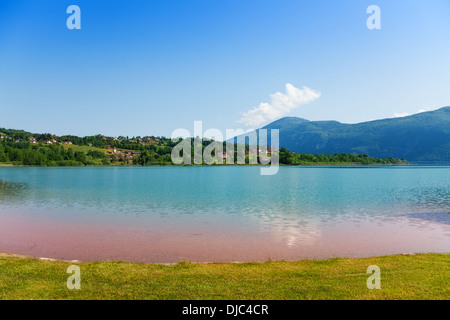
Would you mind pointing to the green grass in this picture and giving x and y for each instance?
(424, 276)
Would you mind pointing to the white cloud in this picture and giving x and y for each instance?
(280, 104)
(425, 109)
(401, 115)
(405, 114)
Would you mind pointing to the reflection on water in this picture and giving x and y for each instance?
(430, 197)
(440, 217)
(12, 192)
(290, 228)
(330, 193)
(296, 209)
(296, 234)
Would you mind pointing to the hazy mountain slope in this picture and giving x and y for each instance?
(423, 137)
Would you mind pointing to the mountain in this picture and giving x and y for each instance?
(419, 138)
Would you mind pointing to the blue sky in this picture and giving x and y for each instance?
(150, 67)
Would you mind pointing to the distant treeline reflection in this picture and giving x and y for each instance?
(10, 189)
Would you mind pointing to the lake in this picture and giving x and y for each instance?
(222, 213)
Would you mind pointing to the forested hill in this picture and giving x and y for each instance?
(18, 147)
(421, 138)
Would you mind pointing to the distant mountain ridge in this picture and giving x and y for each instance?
(419, 138)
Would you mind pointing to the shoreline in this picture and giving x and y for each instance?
(22, 256)
(325, 164)
(343, 164)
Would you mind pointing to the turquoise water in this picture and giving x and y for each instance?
(232, 201)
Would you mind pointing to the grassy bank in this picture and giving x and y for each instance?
(424, 276)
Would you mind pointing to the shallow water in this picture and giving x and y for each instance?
(168, 214)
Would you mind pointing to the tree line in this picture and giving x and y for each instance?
(15, 148)
(23, 153)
